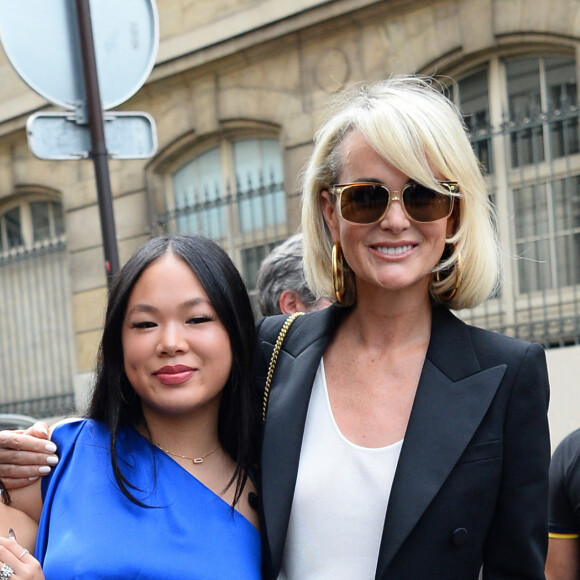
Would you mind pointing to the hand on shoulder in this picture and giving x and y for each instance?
(25, 455)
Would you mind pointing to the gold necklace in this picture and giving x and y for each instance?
(196, 460)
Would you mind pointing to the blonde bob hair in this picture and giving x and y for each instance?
(413, 126)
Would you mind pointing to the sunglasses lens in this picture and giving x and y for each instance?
(426, 205)
(363, 203)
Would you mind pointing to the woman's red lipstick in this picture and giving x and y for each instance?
(174, 375)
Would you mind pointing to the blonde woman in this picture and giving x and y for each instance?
(400, 442)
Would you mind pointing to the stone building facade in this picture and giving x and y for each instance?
(237, 92)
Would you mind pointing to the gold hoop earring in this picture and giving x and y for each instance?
(338, 271)
(456, 269)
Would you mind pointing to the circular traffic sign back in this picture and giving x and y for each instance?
(41, 41)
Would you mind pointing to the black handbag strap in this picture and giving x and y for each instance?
(274, 359)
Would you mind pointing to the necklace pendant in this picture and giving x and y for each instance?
(198, 460)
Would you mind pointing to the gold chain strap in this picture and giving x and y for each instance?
(274, 359)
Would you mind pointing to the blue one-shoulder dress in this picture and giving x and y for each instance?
(89, 529)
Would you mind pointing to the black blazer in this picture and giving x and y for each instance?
(471, 485)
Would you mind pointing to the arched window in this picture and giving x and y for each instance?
(522, 112)
(234, 193)
(538, 108)
(36, 354)
(30, 223)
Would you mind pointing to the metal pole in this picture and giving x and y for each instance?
(99, 148)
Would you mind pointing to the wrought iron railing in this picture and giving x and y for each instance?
(247, 221)
(36, 342)
(539, 157)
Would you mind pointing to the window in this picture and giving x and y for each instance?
(197, 187)
(541, 91)
(542, 111)
(47, 220)
(30, 223)
(233, 193)
(10, 223)
(258, 167)
(548, 234)
(36, 359)
(473, 97)
(522, 115)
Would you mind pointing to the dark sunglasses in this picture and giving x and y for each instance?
(367, 203)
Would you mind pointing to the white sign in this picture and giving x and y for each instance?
(59, 136)
(41, 41)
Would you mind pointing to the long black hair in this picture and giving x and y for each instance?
(4, 495)
(115, 403)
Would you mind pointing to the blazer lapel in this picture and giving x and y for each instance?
(287, 409)
(452, 398)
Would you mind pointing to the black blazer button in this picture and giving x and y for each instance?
(459, 536)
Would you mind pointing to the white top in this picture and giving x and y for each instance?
(340, 500)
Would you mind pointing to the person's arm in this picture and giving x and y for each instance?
(25, 455)
(564, 526)
(28, 500)
(562, 562)
(24, 527)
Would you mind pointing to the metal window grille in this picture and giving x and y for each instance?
(247, 222)
(36, 350)
(541, 299)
